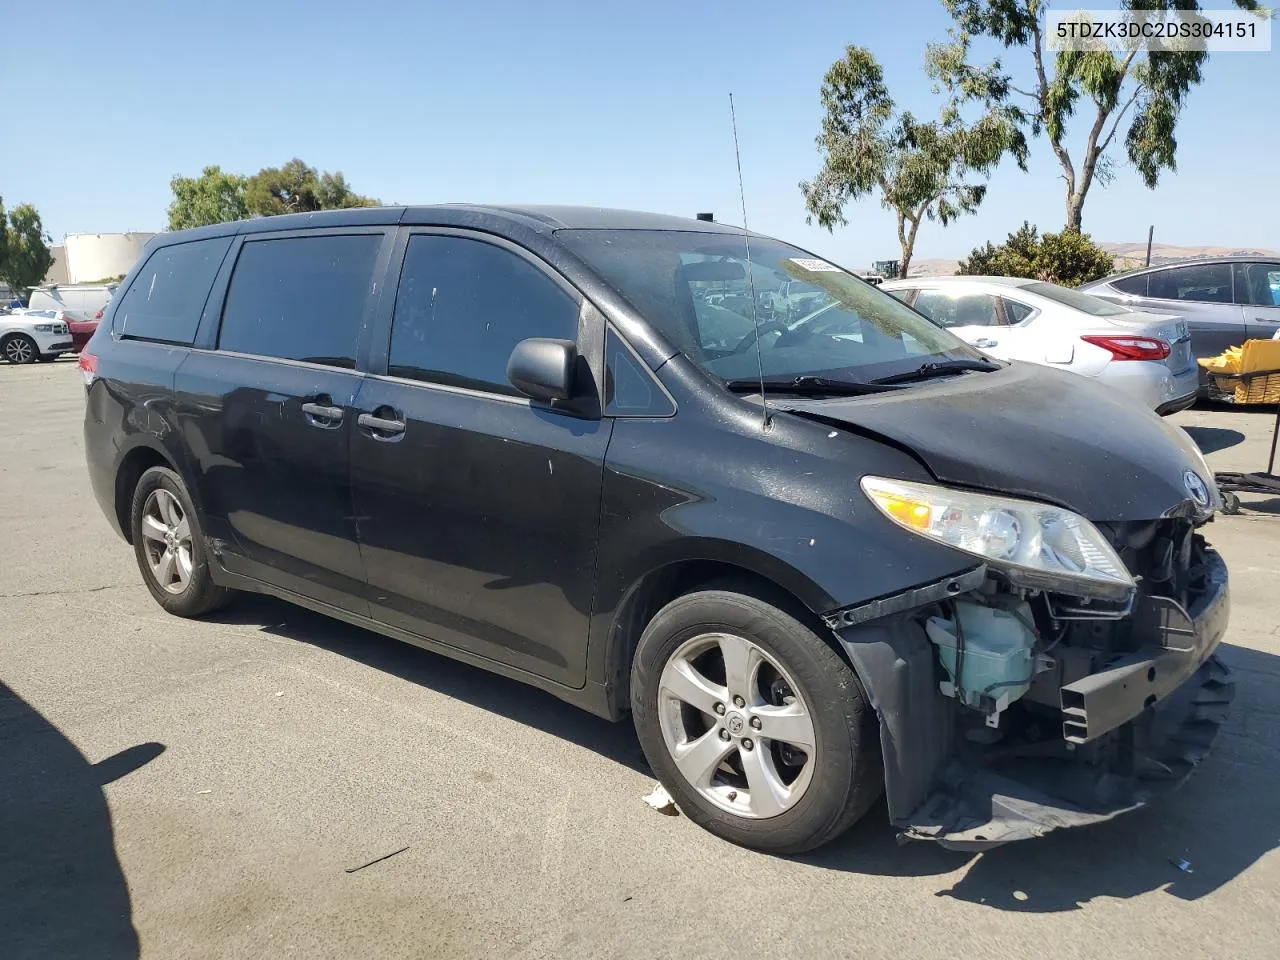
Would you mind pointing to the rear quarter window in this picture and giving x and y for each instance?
(165, 299)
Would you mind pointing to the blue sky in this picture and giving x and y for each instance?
(558, 102)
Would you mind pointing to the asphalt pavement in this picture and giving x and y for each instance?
(174, 788)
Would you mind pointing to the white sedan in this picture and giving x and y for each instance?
(1146, 355)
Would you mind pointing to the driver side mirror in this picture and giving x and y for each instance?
(543, 369)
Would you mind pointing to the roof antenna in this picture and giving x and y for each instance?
(751, 280)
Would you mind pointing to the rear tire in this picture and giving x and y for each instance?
(715, 673)
(168, 542)
(49, 357)
(19, 348)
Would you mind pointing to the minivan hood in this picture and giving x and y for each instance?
(1033, 432)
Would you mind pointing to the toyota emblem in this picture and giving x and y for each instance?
(1196, 488)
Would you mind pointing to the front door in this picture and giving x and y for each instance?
(1258, 290)
(479, 509)
(268, 414)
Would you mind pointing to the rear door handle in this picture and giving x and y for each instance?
(381, 425)
(321, 414)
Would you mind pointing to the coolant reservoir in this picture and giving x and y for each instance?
(998, 661)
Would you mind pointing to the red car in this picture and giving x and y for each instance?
(81, 327)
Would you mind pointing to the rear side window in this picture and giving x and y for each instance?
(166, 298)
(1208, 283)
(1015, 311)
(462, 307)
(300, 298)
(1135, 286)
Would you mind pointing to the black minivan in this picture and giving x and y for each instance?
(816, 546)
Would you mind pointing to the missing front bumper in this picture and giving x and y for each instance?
(1023, 798)
(1136, 729)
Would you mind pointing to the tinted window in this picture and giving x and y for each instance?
(629, 386)
(1016, 312)
(958, 310)
(301, 298)
(462, 307)
(1136, 285)
(166, 298)
(1258, 284)
(1209, 282)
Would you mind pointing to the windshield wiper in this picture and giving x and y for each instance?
(807, 385)
(939, 368)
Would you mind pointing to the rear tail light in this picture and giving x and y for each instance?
(1131, 348)
(88, 367)
(98, 315)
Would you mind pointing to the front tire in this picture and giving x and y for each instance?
(756, 727)
(19, 348)
(169, 546)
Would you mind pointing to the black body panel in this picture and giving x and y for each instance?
(478, 523)
(1036, 433)
(273, 476)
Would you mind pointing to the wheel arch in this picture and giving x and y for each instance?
(654, 589)
(132, 466)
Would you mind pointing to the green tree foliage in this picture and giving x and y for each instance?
(1068, 258)
(920, 169)
(1109, 89)
(217, 197)
(212, 197)
(298, 188)
(25, 256)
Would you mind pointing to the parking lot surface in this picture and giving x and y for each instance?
(173, 788)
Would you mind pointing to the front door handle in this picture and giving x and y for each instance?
(984, 343)
(381, 427)
(321, 414)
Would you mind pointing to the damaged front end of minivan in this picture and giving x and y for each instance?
(1065, 679)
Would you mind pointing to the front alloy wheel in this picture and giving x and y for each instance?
(754, 723)
(735, 726)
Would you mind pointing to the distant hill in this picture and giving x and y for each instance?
(1128, 256)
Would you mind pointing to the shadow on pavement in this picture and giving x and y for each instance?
(62, 892)
(1222, 821)
(509, 698)
(1213, 439)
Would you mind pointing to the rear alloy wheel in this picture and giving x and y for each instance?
(170, 548)
(19, 348)
(757, 728)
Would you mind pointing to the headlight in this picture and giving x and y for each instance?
(1037, 545)
(44, 328)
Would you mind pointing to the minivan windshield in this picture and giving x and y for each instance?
(1084, 302)
(814, 318)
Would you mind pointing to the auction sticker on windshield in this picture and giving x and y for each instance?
(815, 266)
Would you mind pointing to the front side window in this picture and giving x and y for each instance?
(300, 298)
(807, 316)
(462, 307)
(167, 296)
(950, 309)
(1258, 284)
(1208, 283)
